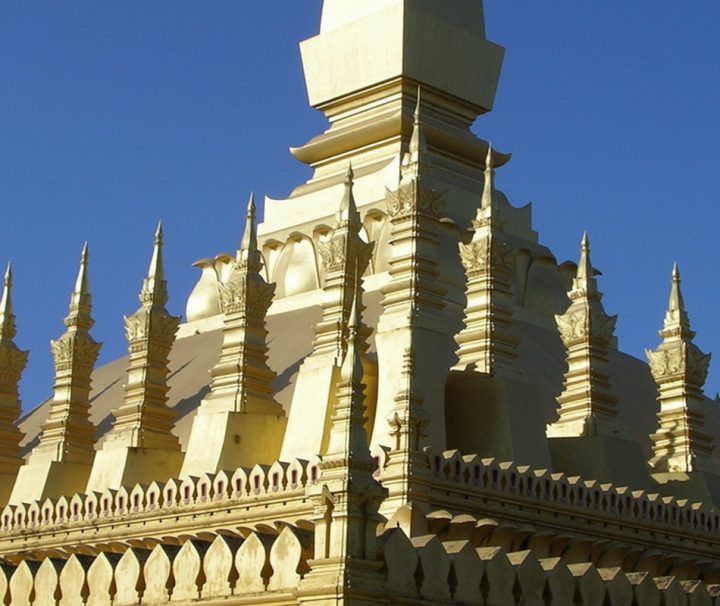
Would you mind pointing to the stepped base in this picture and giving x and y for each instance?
(49, 479)
(697, 486)
(604, 458)
(228, 440)
(127, 466)
(504, 429)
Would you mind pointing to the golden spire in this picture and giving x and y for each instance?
(241, 379)
(144, 420)
(585, 283)
(7, 318)
(248, 255)
(348, 213)
(488, 343)
(12, 364)
(418, 144)
(587, 404)
(677, 321)
(348, 439)
(67, 434)
(343, 253)
(489, 183)
(154, 289)
(680, 369)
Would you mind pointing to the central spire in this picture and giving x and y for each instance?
(365, 44)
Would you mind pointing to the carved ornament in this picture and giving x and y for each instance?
(684, 360)
(579, 325)
(414, 199)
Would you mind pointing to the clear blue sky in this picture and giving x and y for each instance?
(116, 114)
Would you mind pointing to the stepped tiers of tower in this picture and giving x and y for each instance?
(391, 393)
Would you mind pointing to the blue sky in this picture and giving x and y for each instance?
(116, 114)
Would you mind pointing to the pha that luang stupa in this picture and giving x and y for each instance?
(391, 393)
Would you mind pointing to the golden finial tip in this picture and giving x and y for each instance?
(8, 274)
(159, 229)
(417, 105)
(349, 174)
(675, 272)
(489, 164)
(585, 241)
(84, 253)
(251, 204)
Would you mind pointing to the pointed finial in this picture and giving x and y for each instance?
(5, 300)
(584, 275)
(352, 365)
(7, 323)
(82, 284)
(156, 270)
(154, 289)
(249, 255)
(418, 145)
(676, 302)
(677, 320)
(348, 212)
(489, 185)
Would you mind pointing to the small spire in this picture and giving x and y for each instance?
(489, 185)
(249, 255)
(585, 276)
(81, 300)
(82, 284)
(154, 286)
(249, 240)
(676, 302)
(418, 145)
(348, 213)
(7, 319)
(352, 370)
(677, 320)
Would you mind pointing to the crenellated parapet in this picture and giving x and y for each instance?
(681, 444)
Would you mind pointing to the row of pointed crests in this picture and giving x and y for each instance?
(153, 292)
(468, 474)
(423, 568)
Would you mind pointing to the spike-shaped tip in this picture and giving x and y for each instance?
(352, 365)
(489, 184)
(489, 159)
(154, 290)
(418, 145)
(156, 269)
(584, 269)
(249, 240)
(6, 301)
(348, 212)
(676, 302)
(82, 283)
